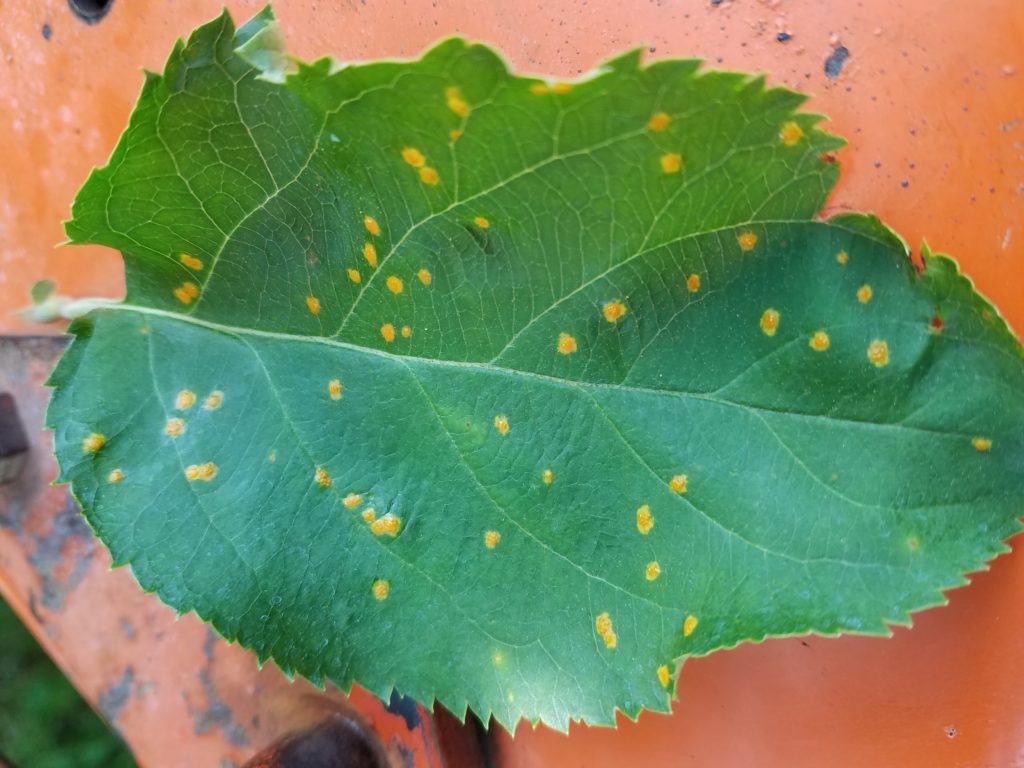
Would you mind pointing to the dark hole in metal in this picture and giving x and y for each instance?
(90, 11)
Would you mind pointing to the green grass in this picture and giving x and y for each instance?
(44, 722)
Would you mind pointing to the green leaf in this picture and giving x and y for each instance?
(41, 290)
(587, 414)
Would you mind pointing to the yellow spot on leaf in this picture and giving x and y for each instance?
(334, 389)
(386, 525)
(644, 519)
(819, 341)
(913, 543)
(664, 677)
(354, 276)
(878, 353)
(190, 261)
(213, 400)
(414, 157)
(205, 472)
(115, 476)
(539, 89)
(491, 539)
(659, 121)
(185, 400)
(454, 134)
(566, 344)
(456, 103)
(982, 444)
(747, 241)
(322, 478)
(603, 624)
(678, 483)
(370, 254)
(93, 442)
(652, 571)
(424, 276)
(313, 303)
(352, 501)
(561, 87)
(693, 283)
(547, 476)
(689, 625)
(770, 322)
(371, 225)
(394, 284)
(481, 222)
(671, 162)
(406, 332)
(174, 427)
(790, 134)
(501, 424)
(388, 332)
(369, 514)
(497, 658)
(429, 176)
(613, 310)
(186, 292)
(864, 294)
(272, 456)
(381, 587)
(842, 258)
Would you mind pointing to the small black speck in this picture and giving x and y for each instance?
(47, 31)
(905, 183)
(716, 2)
(878, 163)
(834, 63)
(783, 37)
(652, 49)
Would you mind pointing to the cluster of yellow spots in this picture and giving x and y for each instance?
(982, 444)
(385, 525)
(878, 353)
(659, 122)
(652, 571)
(689, 625)
(418, 160)
(481, 222)
(388, 332)
(424, 276)
(115, 476)
(190, 261)
(371, 225)
(693, 283)
(334, 389)
(566, 344)
(394, 284)
(354, 276)
(790, 134)
(93, 442)
(769, 321)
(747, 241)
(370, 254)
(213, 400)
(542, 89)
(842, 258)
(381, 588)
(352, 500)
(491, 539)
(644, 519)
(678, 483)
(322, 478)
(313, 304)
(369, 514)
(603, 625)
(455, 102)
(664, 676)
(819, 341)
(186, 292)
(864, 294)
(205, 472)
(174, 427)
(671, 162)
(613, 310)
(185, 400)
(547, 477)
(501, 424)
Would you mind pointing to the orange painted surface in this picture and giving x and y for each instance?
(932, 94)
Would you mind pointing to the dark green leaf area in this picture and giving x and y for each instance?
(558, 527)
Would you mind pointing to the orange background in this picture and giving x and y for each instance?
(932, 97)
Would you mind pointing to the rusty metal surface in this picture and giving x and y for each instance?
(179, 694)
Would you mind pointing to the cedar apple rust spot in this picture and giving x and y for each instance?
(371, 225)
(769, 322)
(644, 519)
(491, 539)
(566, 344)
(501, 424)
(185, 400)
(613, 310)
(747, 241)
